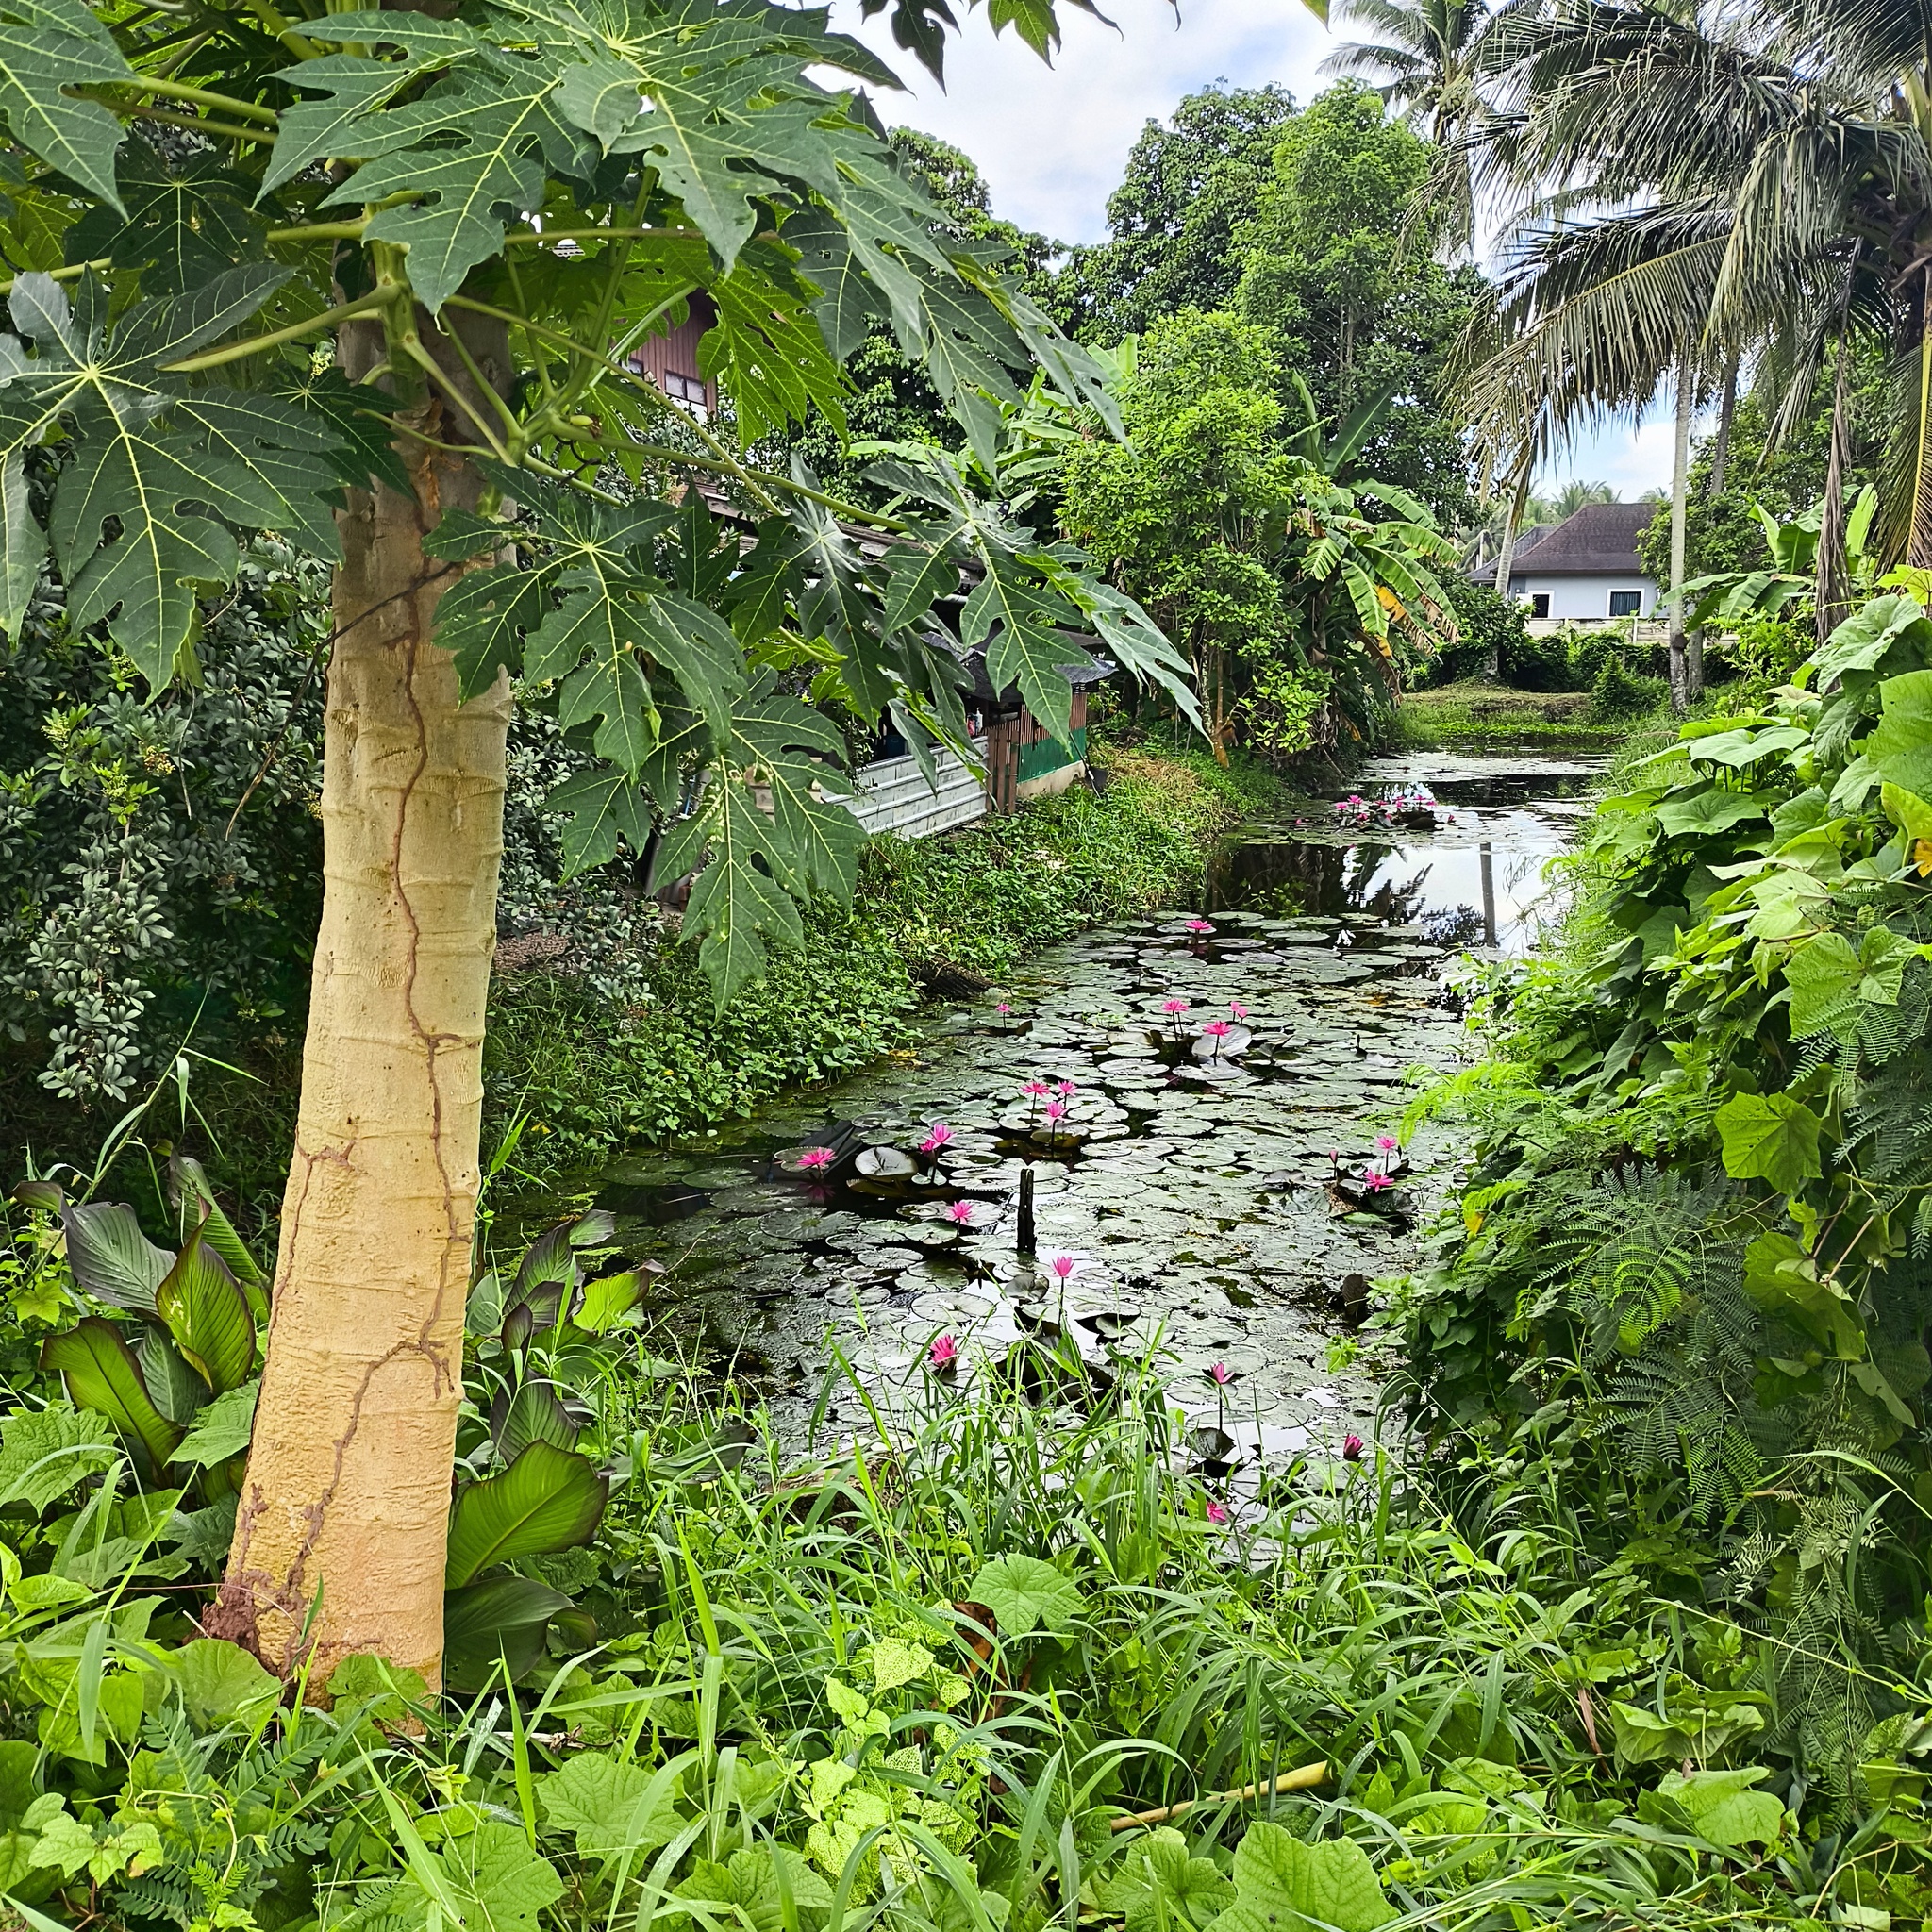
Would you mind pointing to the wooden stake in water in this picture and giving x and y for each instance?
(1024, 1240)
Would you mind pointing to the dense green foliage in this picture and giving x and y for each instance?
(916, 1680)
(589, 1075)
(1688, 1288)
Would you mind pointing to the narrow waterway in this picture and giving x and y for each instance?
(1218, 1193)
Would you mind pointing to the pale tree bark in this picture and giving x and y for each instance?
(1829, 596)
(1726, 421)
(1682, 669)
(340, 1535)
(1919, 537)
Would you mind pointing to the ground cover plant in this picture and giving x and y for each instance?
(987, 1662)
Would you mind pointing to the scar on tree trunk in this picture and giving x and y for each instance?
(342, 1520)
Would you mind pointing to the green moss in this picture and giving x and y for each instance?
(590, 1079)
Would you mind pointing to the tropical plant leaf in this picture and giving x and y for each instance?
(1025, 1595)
(102, 1374)
(610, 1806)
(111, 1258)
(45, 1452)
(1285, 1884)
(548, 1499)
(502, 1618)
(208, 1315)
(183, 226)
(50, 50)
(220, 1681)
(535, 1413)
(489, 1876)
(222, 1430)
(140, 516)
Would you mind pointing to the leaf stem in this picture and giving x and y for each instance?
(297, 43)
(321, 231)
(201, 98)
(170, 119)
(314, 324)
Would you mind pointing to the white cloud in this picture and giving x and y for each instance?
(1052, 142)
(1631, 457)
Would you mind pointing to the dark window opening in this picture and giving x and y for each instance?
(1540, 604)
(1627, 603)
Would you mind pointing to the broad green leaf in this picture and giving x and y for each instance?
(102, 1374)
(182, 226)
(611, 1805)
(483, 619)
(177, 1386)
(222, 1430)
(748, 1890)
(1722, 1806)
(548, 1499)
(1025, 1595)
(496, 1881)
(607, 1301)
(601, 808)
(219, 1681)
(1285, 1884)
(894, 1662)
(384, 1690)
(1781, 1277)
(49, 50)
(1824, 974)
(140, 516)
(1737, 749)
(534, 1414)
(1862, 640)
(501, 1619)
(1769, 1137)
(189, 1180)
(44, 1452)
(1159, 1887)
(1901, 745)
(1018, 622)
(208, 1315)
(1707, 812)
(111, 1258)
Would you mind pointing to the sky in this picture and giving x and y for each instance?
(1052, 142)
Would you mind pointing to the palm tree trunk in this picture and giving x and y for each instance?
(1505, 555)
(1726, 416)
(1829, 590)
(1919, 537)
(1682, 671)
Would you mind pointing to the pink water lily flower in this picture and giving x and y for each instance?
(1036, 1088)
(1351, 1448)
(1239, 1011)
(1220, 1375)
(1215, 1512)
(1217, 1029)
(935, 1136)
(1173, 1007)
(944, 1354)
(815, 1157)
(1376, 1182)
(1067, 1089)
(1065, 1266)
(1003, 1007)
(1199, 925)
(1056, 1109)
(1387, 1144)
(962, 1212)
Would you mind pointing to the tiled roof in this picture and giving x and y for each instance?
(1599, 540)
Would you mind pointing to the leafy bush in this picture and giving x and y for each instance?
(1489, 626)
(1617, 692)
(1687, 1287)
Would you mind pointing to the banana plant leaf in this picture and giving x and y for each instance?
(548, 1499)
(102, 1374)
(111, 1258)
(208, 1315)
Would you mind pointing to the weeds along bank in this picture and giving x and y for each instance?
(1000, 1662)
(1684, 1307)
(589, 1073)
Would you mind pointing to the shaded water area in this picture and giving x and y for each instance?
(1219, 1193)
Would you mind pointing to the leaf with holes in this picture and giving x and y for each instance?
(182, 226)
(548, 1499)
(50, 50)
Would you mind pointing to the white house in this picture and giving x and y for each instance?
(1586, 569)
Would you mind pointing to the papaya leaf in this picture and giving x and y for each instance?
(102, 1374)
(548, 1499)
(208, 1315)
(50, 50)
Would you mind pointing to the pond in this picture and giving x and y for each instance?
(1219, 1195)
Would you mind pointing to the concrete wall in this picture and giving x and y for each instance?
(893, 795)
(1576, 598)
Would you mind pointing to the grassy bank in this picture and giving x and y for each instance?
(1471, 715)
(934, 913)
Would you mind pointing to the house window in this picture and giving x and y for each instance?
(1540, 604)
(684, 389)
(1627, 603)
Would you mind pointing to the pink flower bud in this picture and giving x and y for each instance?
(1215, 1512)
(1351, 1448)
(1217, 1372)
(944, 1354)
(1239, 1011)
(1064, 1265)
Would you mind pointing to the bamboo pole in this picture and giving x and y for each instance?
(1300, 1779)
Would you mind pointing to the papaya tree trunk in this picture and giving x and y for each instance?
(1682, 692)
(343, 1515)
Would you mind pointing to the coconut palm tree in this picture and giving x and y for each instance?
(1422, 60)
(1768, 177)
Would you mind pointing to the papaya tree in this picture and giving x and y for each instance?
(376, 281)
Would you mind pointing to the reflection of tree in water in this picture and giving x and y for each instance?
(1288, 878)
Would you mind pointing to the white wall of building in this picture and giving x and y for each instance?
(1576, 599)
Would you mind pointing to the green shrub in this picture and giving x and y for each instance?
(1618, 694)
